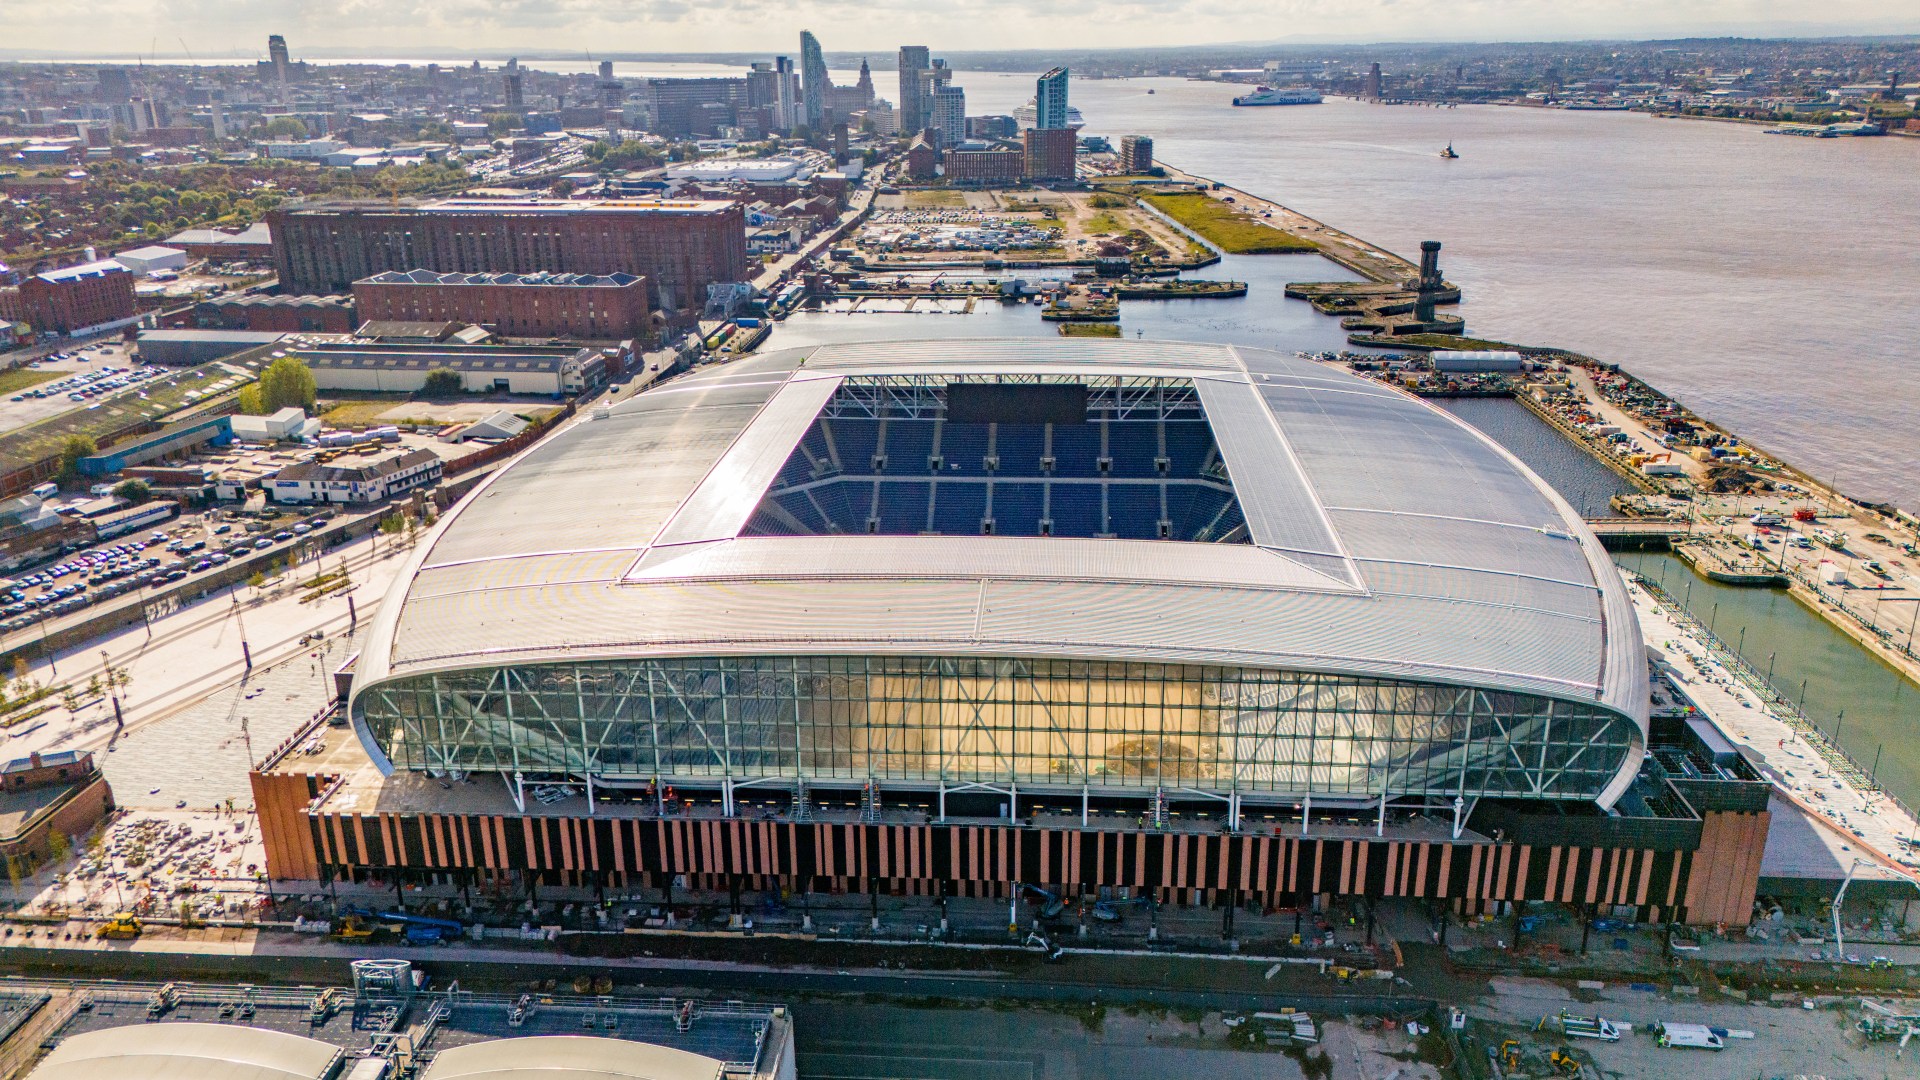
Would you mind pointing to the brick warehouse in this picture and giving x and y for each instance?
(592, 306)
(73, 299)
(680, 247)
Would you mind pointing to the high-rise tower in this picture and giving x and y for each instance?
(1050, 100)
(914, 59)
(813, 80)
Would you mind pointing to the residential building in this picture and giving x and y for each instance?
(914, 59)
(1050, 152)
(814, 83)
(995, 165)
(278, 58)
(949, 113)
(91, 297)
(1050, 100)
(679, 246)
(513, 86)
(592, 306)
(1136, 154)
(374, 481)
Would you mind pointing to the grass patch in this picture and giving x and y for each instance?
(935, 199)
(23, 378)
(1453, 341)
(1090, 329)
(1104, 222)
(1227, 228)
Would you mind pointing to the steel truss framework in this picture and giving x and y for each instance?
(1114, 728)
(924, 397)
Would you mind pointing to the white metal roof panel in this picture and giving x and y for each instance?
(1400, 542)
(186, 1051)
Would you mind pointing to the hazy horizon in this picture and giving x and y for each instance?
(201, 29)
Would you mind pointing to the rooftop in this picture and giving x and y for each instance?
(430, 277)
(555, 207)
(1387, 538)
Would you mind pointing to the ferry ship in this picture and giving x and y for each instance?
(1293, 95)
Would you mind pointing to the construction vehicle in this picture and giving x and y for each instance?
(1508, 1055)
(1564, 1061)
(122, 927)
(1043, 945)
(1575, 1026)
(1109, 910)
(416, 929)
(1050, 903)
(1882, 1024)
(350, 928)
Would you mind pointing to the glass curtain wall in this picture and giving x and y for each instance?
(1038, 723)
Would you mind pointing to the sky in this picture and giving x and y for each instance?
(238, 28)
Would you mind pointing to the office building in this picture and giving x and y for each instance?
(79, 299)
(679, 246)
(592, 306)
(1050, 152)
(1371, 88)
(513, 89)
(1136, 154)
(914, 60)
(686, 107)
(385, 359)
(1015, 604)
(116, 85)
(814, 84)
(1050, 100)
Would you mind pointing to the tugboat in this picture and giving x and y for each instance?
(1448, 153)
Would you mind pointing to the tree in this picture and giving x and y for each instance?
(134, 491)
(561, 188)
(286, 127)
(71, 451)
(442, 382)
(502, 122)
(285, 382)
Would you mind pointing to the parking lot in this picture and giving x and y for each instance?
(80, 369)
(187, 546)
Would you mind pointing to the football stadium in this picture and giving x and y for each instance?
(1199, 622)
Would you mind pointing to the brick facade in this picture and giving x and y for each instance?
(985, 166)
(1050, 152)
(74, 298)
(680, 247)
(605, 307)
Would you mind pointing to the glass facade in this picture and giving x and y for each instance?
(1115, 727)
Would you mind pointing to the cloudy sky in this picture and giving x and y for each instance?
(209, 28)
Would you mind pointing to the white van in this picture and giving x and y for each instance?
(1696, 1036)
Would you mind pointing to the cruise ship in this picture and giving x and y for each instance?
(1025, 116)
(1292, 95)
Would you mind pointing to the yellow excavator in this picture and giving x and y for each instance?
(1565, 1062)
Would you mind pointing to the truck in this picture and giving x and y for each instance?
(1575, 1026)
(1694, 1036)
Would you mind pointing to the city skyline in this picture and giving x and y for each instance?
(116, 29)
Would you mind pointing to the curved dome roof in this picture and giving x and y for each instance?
(1387, 538)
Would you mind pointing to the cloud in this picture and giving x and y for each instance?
(389, 27)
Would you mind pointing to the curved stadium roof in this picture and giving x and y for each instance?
(186, 1051)
(1383, 537)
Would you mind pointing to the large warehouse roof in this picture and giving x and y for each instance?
(569, 1057)
(1387, 538)
(186, 1051)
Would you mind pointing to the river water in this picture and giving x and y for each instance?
(1770, 283)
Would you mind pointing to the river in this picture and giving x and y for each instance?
(1767, 282)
